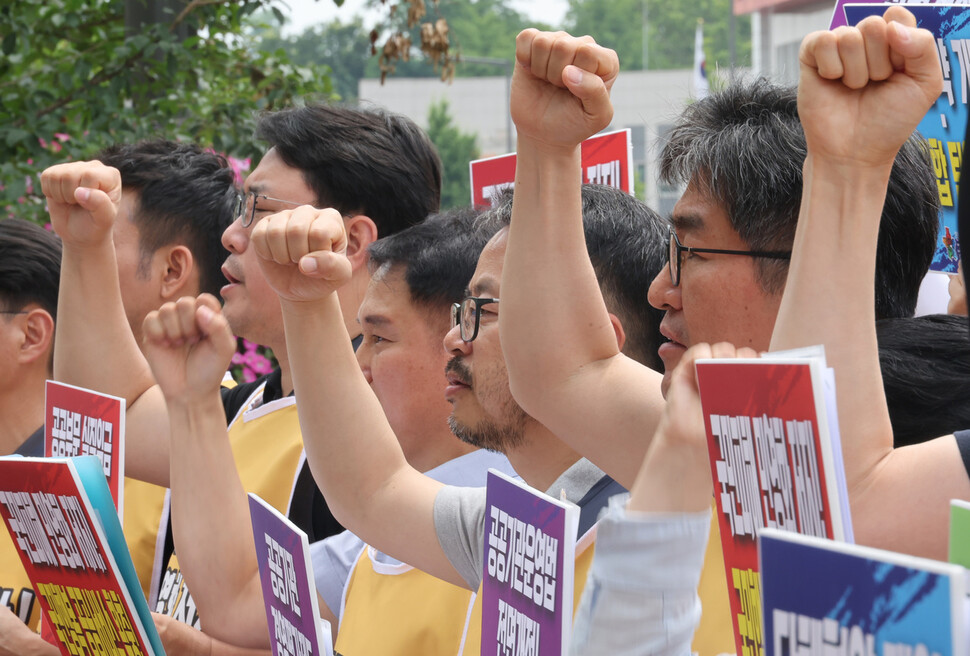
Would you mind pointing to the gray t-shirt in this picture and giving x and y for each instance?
(459, 517)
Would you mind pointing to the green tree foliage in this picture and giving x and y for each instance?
(99, 72)
(618, 24)
(478, 28)
(342, 47)
(456, 150)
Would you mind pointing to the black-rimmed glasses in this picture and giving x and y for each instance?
(467, 316)
(246, 208)
(676, 248)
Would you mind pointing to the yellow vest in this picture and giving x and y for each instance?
(16, 591)
(715, 633)
(267, 446)
(416, 613)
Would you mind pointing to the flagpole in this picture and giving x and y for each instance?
(645, 13)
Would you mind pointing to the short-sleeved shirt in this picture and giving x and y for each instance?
(459, 514)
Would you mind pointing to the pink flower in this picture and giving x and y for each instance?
(239, 167)
(62, 136)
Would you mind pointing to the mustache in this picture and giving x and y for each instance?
(459, 370)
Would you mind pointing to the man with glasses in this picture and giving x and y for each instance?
(360, 466)
(378, 170)
(741, 153)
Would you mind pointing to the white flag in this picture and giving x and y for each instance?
(700, 64)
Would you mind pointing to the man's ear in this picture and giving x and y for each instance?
(179, 275)
(38, 336)
(618, 329)
(361, 233)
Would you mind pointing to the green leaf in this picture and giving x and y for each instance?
(14, 136)
(9, 43)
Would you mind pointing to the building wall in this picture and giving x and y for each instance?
(777, 34)
(646, 101)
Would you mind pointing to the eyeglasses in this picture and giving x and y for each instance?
(246, 208)
(13, 312)
(676, 248)
(467, 315)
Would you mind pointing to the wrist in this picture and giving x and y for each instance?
(300, 309)
(194, 405)
(846, 173)
(547, 151)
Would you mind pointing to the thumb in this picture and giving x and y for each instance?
(214, 325)
(591, 90)
(921, 62)
(326, 265)
(98, 203)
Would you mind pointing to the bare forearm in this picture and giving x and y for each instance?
(561, 348)
(94, 345)
(829, 300)
(212, 527)
(94, 348)
(546, 337)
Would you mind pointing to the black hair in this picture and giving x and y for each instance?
(30, 266)
(185, 195)
(925, 364)
(359, 161)
(438, 255)
(627, 244)
(745, 147)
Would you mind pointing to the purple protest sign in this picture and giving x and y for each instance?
(292, 612)
(527, 582)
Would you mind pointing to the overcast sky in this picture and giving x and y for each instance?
(304, 13)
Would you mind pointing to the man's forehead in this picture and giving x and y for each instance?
(697, 213)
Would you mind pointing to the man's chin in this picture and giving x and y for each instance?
(665, 383)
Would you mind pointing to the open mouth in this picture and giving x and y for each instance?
(229, 277)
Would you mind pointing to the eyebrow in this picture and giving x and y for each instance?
(687, 222)
(486, 285)
(375, 320)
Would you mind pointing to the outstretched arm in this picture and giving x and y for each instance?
(564, 362)
(189, 345)
(94, 346)
(862, 92)
(353, 453)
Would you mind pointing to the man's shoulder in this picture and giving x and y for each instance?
(234, 398)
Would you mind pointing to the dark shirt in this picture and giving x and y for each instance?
(33, 446)
(963, 442)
